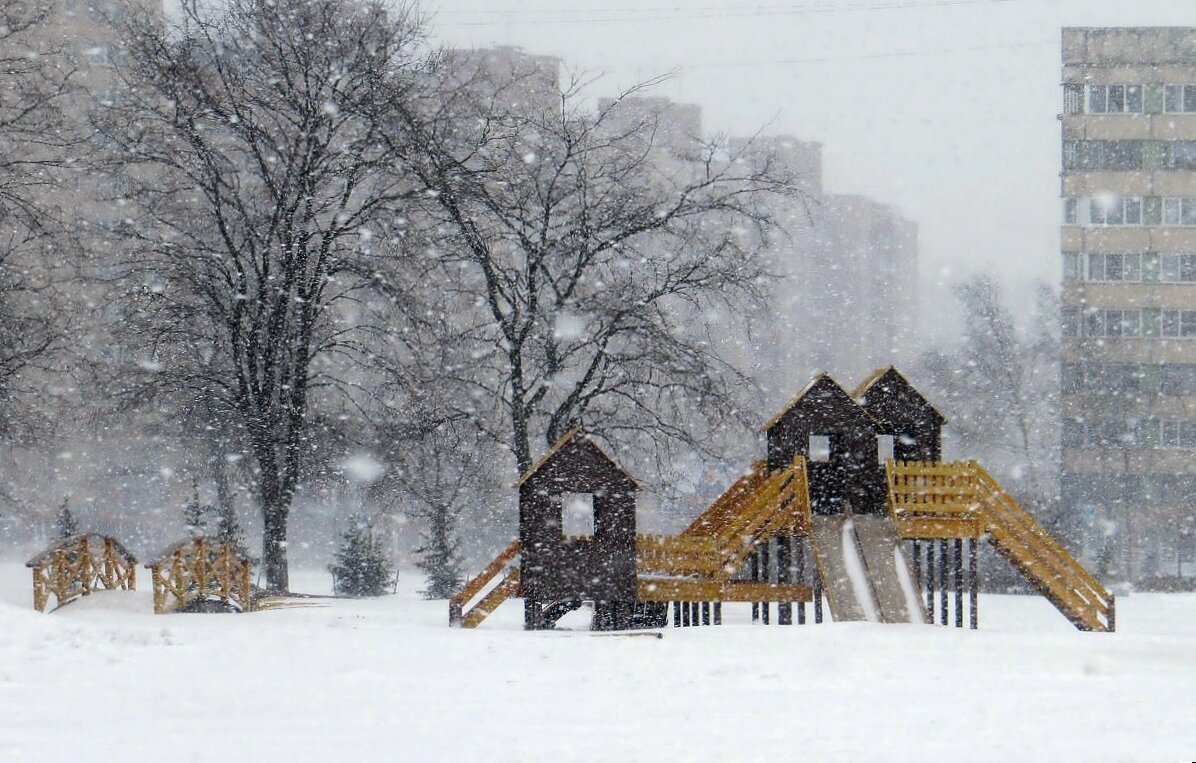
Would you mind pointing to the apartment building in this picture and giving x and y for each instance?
(1129, 297)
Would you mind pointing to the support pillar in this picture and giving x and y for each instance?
(958, 564)
(944, 615)
(974, 582)
(784, 576)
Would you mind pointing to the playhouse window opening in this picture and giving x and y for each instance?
(577, 514)
(884, 448)
(820, 448)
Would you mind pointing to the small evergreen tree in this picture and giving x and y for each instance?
(193, 513)
(439, 554)
(361, 569)
(67, 526)
(228, 529)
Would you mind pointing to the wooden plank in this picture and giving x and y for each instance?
(681, 589)
(938, 528)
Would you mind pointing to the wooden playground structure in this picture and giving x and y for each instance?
(78, 565)
(888, 541)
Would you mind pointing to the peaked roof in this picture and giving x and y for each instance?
(891, 375)
(821, 379)
(580, 436)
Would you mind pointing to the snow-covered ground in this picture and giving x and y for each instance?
(387, 680)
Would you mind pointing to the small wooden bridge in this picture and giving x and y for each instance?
(198, 570)
(78, 565)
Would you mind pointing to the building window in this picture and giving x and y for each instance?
(1177, 380)
(1104, 323)
(1179, 99)
(1071, 266)
(1071, 214)
(1115, 210)
(1070, 321)
(1169, 433)
(1179, 211)
(1178, 324)
(1111, 379)
(1115, 99)
(1073, 99)
(1102, 155)
(1114, 267)
(1177, 268)
(1181, 155)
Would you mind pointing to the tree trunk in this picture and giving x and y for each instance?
(274, 546)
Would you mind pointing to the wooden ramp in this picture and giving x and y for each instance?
(962, 500)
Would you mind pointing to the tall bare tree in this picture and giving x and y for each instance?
(583, 257)
(1000, 388)
(262, 221)
(37, 77)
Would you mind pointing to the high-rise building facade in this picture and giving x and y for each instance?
(1129, 297)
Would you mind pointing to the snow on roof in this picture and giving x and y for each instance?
(879, 374)
(805, 391)
(561, 443)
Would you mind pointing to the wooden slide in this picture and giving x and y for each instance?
(864, 574)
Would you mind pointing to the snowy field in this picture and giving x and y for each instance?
(386, 680)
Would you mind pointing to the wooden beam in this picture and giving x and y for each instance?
(693, 589)
(937, 528)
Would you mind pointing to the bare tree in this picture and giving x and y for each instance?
(582, 258)
(33, 133)
(261, 220)
(1000, 388)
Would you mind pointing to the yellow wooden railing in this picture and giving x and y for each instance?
(458, 617)
(962, 500)
(78, 565)
(201, 569)
(716, 544)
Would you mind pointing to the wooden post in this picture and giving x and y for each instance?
(944, 615)
(817, 595)
(676, 614)
(718, 613)
(917, 557)
(799, 553)
(958, 582)
(930, 580)
(974, 582)
(754, 574)
(695, 613)
(765, 575)
(685, 613)
(705, 613)
(784, 575)
(531, 615)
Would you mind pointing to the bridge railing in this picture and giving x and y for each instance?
(198, 570)
(78, 565)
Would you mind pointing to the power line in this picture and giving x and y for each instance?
(871, 56)
(683, 13)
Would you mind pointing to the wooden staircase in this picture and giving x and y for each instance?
(717, 543)
(508, 588)
(961, 500)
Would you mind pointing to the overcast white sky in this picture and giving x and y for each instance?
(945, 108)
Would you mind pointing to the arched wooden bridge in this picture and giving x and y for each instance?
(199, 570)
(78, 565)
